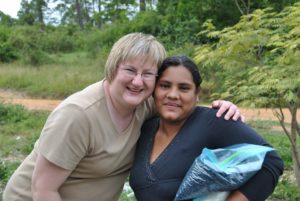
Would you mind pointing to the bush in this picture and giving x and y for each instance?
(6, 169)
(12, 114)
(7, 51)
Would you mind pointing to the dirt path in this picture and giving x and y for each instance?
(10, 97)
(7, 96)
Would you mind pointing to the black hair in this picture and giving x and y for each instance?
(181, 60)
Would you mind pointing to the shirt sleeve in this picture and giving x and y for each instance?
(261, 185)
(65, 137)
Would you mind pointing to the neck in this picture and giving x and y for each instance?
(170, 128)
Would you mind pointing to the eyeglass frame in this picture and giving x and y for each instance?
(131, 72)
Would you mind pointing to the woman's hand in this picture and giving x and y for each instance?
(229, 109)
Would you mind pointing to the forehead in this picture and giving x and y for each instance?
(142, 63)
(177, 74)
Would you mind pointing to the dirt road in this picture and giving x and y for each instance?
(7, 96)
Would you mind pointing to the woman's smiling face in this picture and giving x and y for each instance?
(134, 82)
(175, 94)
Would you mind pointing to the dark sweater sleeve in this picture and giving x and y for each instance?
(262, 184)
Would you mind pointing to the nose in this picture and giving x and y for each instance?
(173, 93)
(138, 80)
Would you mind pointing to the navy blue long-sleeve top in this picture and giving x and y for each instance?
(160, 180)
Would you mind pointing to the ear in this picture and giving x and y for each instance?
(197, 94)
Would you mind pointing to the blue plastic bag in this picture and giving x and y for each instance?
(221, 170)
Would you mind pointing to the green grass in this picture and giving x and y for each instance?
(19, 128)
(71, 73)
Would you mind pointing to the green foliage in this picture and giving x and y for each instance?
(7, 168)
(33, 45)
(257, 59)
(7, 51)
(72, 72)
(286, 191)
(19, 129)
(12, 114)
(61, 40)
(258, 62)
(175, 23)
(147, 22)
(6, 20)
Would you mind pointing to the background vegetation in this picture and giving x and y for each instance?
(247, 51)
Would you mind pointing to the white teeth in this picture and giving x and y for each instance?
(135, 90)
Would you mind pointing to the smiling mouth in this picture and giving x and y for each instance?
(172, 105)
(134, 90)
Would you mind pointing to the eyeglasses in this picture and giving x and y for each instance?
(132, 73)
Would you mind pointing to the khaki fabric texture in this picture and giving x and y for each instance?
(79, 135)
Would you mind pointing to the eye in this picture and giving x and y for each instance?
(130, 71)
(164, 85)
(184, 88)
(148, 74)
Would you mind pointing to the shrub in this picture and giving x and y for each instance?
(7, 51)
(6, 169)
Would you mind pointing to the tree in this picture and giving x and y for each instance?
(40, 5)
(79, 16)
(258, 63)
(6, 19)
(32, 12)
(243, 6)
(26, 13)
(142, 5)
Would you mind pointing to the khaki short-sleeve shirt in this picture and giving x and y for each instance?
(79, 135)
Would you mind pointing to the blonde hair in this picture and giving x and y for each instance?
(131, 46)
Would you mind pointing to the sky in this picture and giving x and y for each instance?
(10, 7)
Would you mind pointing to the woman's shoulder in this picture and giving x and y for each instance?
(204, 112)
(151, 122)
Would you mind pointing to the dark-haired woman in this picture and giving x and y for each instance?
(170, 142)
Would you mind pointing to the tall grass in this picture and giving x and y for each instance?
(72, 72)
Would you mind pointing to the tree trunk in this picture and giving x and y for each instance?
(142, 5)
(294, 133)
(79, 15)
(99, 20)
(296, 168)
(39, 7)
(292, 136)
(243, 7)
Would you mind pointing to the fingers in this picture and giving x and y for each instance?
(222, 106)
(236, 114)
(229, 110)
(232, 112)
(243, 118)
(216, 104)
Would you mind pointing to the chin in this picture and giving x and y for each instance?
(134, 103)
(171, 118)
(131, 100)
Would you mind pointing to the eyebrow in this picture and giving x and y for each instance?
(135, 68)
(128, 66)
(180, 83)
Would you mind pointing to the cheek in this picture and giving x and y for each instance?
(192, 100)
(151, 87)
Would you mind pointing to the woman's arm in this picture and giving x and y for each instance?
(263, 183)
(46, 180)
(237, 196)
